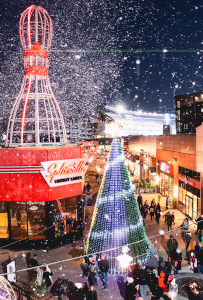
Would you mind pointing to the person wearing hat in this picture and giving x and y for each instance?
(172, 246)
(188, 239)
(92, 271)
(197, 247)
(92, 294)
(78, 293)
(33, 264)
(130, 289)
(173, 290)
(153, 263)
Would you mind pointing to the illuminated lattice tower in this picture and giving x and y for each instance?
(36, 116)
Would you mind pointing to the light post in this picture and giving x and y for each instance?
(124, 259)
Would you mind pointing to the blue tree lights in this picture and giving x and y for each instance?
(117, 220)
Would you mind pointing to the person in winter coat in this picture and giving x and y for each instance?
(172, 246)
(143, 282)
(78, 293)
(142, 210)
(153, 263)
(104, 268)
(139, 200)
(130, 290)
(92, 294)
(158, 212)
(47, 275)
(92, 270)
(152, 210)
(192, 261)
(166, 215)
(173, 218)
(178, 260)
(146, 208)
(197, 247)
(169, 221)
(169, 266)
(199, 224)
(188, 239)
(199, 256)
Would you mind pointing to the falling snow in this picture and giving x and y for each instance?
(83, 79)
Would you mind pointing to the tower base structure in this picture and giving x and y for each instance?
(41, 195)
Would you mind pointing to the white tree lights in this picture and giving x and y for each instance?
(116, 219)
(6, 290)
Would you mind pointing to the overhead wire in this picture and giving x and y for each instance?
(100, 252)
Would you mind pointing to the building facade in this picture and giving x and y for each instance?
(189, 112)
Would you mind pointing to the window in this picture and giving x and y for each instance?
(183, 113)
(187, 112)
(186, 126)
(3, 221)
(178, 115)
(201, 109)
(179, 127)
(178, 104)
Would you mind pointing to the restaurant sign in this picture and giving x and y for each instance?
(63, 172)
(189, 181)
(166, 168)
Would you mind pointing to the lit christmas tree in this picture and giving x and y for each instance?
(117, 220)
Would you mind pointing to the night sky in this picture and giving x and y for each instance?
(82, 80)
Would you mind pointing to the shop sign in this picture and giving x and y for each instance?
(63, 172)
(151, 161)
(166, 168)
(189, 181)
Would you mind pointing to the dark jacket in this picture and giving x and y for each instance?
(92, 295)
(143, 277)
(142, 210)
(162, 268)
(152, 210)
(78, 294)
(172, 245)
(197, 248)
(146, 206)
(104, 265)
(188, 238)
(178, 258)
(139, 199)
(199, 256)
(158, 209)
(91, 269)
(199, 223)
(46, 275)
(169, 220)
(130, 291)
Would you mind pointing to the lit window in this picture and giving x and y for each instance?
(178, 104)
(202, 109)
(183, 113)
(178, 115)
(186, 126)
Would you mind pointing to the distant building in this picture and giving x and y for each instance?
(134, 123)
(189, 112)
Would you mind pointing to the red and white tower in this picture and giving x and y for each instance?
(36, 117)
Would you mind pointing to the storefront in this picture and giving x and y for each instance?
(166, 179)
(148, 169)
(132, 162)
(189, 193)
(41, 193)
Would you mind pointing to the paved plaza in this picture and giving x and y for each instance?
(72, 271)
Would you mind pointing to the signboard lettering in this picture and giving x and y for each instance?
(166, 168)
(62, 172)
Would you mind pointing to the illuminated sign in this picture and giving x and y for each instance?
(62, 172)
(189, 181)
(166, 168)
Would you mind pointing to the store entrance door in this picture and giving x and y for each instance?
(189, 206)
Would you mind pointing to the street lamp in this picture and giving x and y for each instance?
(124, 259)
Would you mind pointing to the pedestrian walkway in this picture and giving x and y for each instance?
(116, 283)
